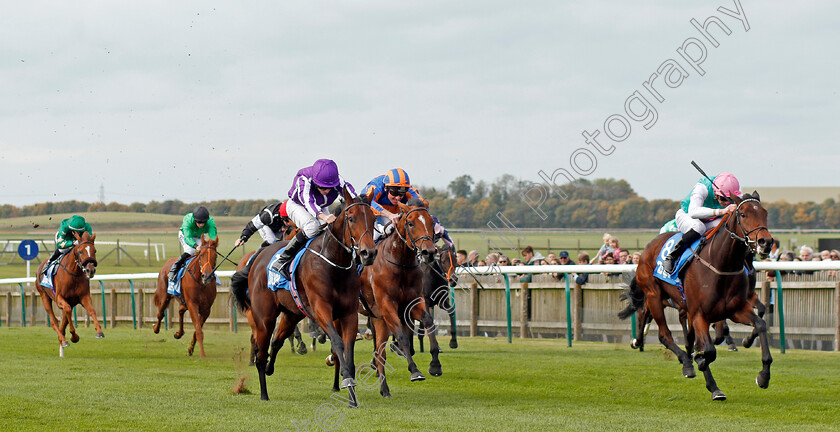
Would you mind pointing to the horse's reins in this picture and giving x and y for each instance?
(77, 259)
(198, 260)
(745, 239)
(354, 244)
(412, 244)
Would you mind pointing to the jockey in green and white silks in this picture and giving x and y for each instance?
(701, 210)
(65, 237)
(192, 227)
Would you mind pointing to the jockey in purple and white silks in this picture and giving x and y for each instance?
(701, 210)
(313, 189)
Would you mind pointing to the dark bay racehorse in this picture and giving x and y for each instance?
(644, 318)
(437, 277)
(72, 287)
(393, 287)
(328, 287)
(198, 287)
(716, 288)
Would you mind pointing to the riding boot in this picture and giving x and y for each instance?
(292, 248)
(671, 260)
(173, 273)
(50, 261)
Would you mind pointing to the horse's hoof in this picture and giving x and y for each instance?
(65, 344)
(718, 395)
(453, 343)
(435, 371)
(156, 329)
(761, 381)
(634, 344)
(178, 335)
(322, 339)
(330, 361)
(348, 382)
(733, 348)
(190, 351)
(642, 348)
(74, 338)
(302, 349)
(747, 342)
(417, 376)
(100, 335)
(269, 370)
(688, 372)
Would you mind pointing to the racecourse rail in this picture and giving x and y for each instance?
(816, 301)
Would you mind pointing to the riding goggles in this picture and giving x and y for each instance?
(397, 190)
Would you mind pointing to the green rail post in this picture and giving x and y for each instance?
(75, 321)
(104, 311)
(133, 306)
(166, 319)
(452, 304)
(507, 297)
(22, 306)
(233, 311)
(633, 326)
(568, 311)
(781, 310)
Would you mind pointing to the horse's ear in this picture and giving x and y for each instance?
(348, 198)
(403, 208)
(93, 237)
(735, 199)
(755, 195)
(77, 235)
(204, 238)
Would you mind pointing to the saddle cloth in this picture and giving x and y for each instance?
(48, 278)
(674, 278)
(276, 281)
(174, 287)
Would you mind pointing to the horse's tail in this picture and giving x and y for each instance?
(634, 295)
(239, 289)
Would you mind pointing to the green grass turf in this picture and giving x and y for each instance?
(136, 380)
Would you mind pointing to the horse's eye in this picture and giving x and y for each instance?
(411, 224)
(351, 219)
(743, 215)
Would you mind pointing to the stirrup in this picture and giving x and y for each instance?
(173, 274)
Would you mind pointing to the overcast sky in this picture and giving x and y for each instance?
(227, 100)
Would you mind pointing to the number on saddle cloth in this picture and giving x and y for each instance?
(686, 256)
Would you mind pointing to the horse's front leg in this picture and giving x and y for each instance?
(198, 334)
(54, 323)
(73, 336)
(66, 312)
(706, 353)
(88, 305)
(419, 312)
(164, 304)
(323, 315)
(747, 316)
(285, 328)
(349, 327)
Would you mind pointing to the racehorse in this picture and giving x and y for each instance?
(437, 277)
(393, 286)
(328, 288)
(198, 288)
(644, 318)
(716, 286)
(72, 287)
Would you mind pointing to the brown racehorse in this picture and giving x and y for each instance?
(716, 288)
(393, 287)
(198, 286)
(328, 287)
(644, 318)
(72, 287)
(437, 277)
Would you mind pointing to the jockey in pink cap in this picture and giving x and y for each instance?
(701, 210)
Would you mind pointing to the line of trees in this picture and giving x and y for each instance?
(600, 203)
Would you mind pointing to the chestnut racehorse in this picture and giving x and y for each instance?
(716, 288)
(328, 287)
(72, 287)
(198, 287)
(393, 287)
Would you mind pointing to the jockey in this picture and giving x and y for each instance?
(386, 191)
(194, 225)
(270, 222)
(313, 189)
(65, 238)
(701, 210)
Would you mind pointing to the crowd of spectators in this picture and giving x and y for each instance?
(612, 253)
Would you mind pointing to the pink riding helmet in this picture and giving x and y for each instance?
(727, 185)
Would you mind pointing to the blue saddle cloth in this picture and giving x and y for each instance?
(666, 249)
(48, 278)
(275, 280)
(174, 287)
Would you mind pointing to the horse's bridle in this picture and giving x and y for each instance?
(200, 270)
(412, 244)
(750, 243)
(354, 244)
(78, 260)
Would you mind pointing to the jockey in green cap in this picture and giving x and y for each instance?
(192, 227)
(66, 236)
